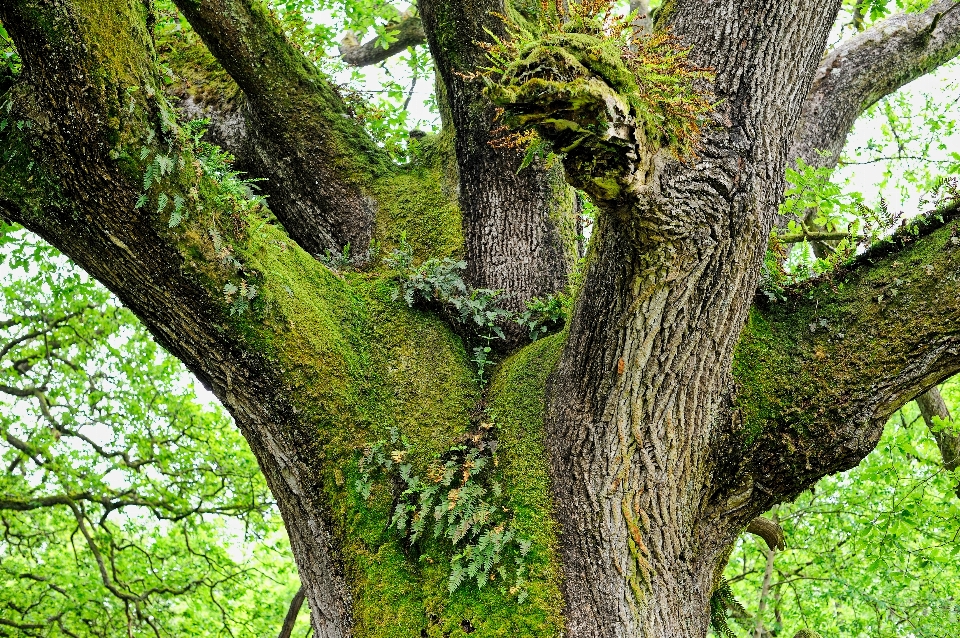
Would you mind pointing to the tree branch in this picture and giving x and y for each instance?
(290, 620)
(317, 159)
(870, 66)
(820, 373)
(90, 90)
(527, 249)
(932, 405)
(408, 32)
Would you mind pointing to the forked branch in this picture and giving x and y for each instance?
(318, 161)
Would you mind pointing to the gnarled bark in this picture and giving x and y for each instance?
(636, 403)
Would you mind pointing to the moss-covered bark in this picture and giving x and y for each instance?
(820, 373)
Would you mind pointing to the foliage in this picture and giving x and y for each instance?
(190, 160)
(721, 602)
(124, 500)
(439, 281)
(9, 58)
(544, 315)
(871, 552)
(380, 97)
(907, 141)
(460, 501)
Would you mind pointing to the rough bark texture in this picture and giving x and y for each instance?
(637, 404)
(519, 225)
(665, 428)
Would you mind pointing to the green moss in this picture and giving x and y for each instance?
(359, 363)
(517, 398)
(412, 203)
(196, 73)
(804, 363)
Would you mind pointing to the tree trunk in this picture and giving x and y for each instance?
(642, 392)
(632, 448)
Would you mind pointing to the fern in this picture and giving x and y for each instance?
(722, 600)
(440, 281)
(457, 500)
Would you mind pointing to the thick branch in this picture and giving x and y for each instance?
(870, 66)
(408, 33)
(820, 373)
(519, 225)
(317, 160)
(91, 94)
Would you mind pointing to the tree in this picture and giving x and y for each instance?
(611, 465)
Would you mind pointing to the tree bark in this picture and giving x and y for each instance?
(635, 405)
(519, 225)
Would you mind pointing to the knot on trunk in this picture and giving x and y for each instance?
(605, 98)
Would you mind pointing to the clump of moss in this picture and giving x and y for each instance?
(412, 207)
(569, 75)
(192, 71)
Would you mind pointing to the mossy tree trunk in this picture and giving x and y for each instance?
(633, 447)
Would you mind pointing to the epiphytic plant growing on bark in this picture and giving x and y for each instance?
(635, 445)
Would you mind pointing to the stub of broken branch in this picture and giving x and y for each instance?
(769, 531)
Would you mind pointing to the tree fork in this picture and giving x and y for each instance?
(318, 163)
(658, 454)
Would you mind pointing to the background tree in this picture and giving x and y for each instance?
(671, 410)
(119, 487)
